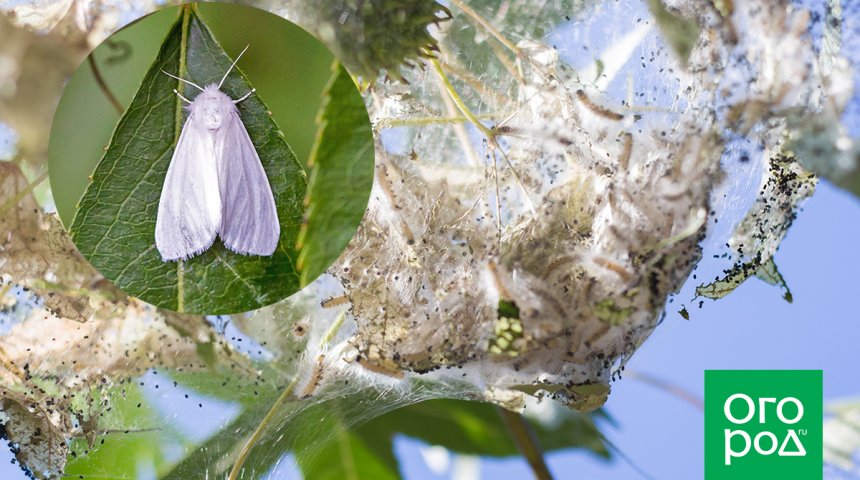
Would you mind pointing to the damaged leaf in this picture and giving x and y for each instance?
(784, 186)
(37, 254)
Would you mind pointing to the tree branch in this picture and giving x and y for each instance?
(526, 442)
(103, 85)
(668, 387)
(284, 398)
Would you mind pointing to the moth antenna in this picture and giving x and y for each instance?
(231, 67)
(180, 96)
(183, 80)
(245, 96)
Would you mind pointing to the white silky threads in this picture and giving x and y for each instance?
(215, 184)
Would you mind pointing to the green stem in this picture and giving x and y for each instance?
(182, 73)
(285, 396)
(456, 71)
(332, 330)
(180, 286)
(12, 201)
(403, 122)
(261, 428)
(526, 442)
(446, 82)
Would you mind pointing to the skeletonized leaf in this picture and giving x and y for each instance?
(37, 254)
(680, 33)
(767, 272)
(770, 274)
(55, 361)
(39, 430)
(475, 428)
(784, 186)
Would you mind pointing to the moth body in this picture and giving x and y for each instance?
(215, 185)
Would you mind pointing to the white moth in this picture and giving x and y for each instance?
(215, 183)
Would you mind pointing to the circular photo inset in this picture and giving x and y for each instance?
(211, 158)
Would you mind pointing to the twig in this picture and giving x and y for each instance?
(668, 387)
(403, 122)
(285, 396)
(624, 457)
(258, 433)
(487, 25)
(459, 130)
(103, 85)
(13, 200)
(498, 202)
(488, 133)
(516, 70)
(526, 442)
(455, 70)
(522, 185)
(461, 105)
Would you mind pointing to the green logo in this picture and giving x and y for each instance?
(763, 424)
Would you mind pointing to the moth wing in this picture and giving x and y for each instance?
(249, 217)
(189, 210)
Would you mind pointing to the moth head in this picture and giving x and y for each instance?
(212, 107)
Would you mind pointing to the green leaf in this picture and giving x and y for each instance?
(680, 33)
(363, 453)
(217, 453)
(231, 384)
(373, 35)
(464, 427)
(131, 443)
(534, 19)
(475, 428)
(508, 309)
(318, 436)
(115, 225)
(327, 446)
(513, 20)
(341, 176)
